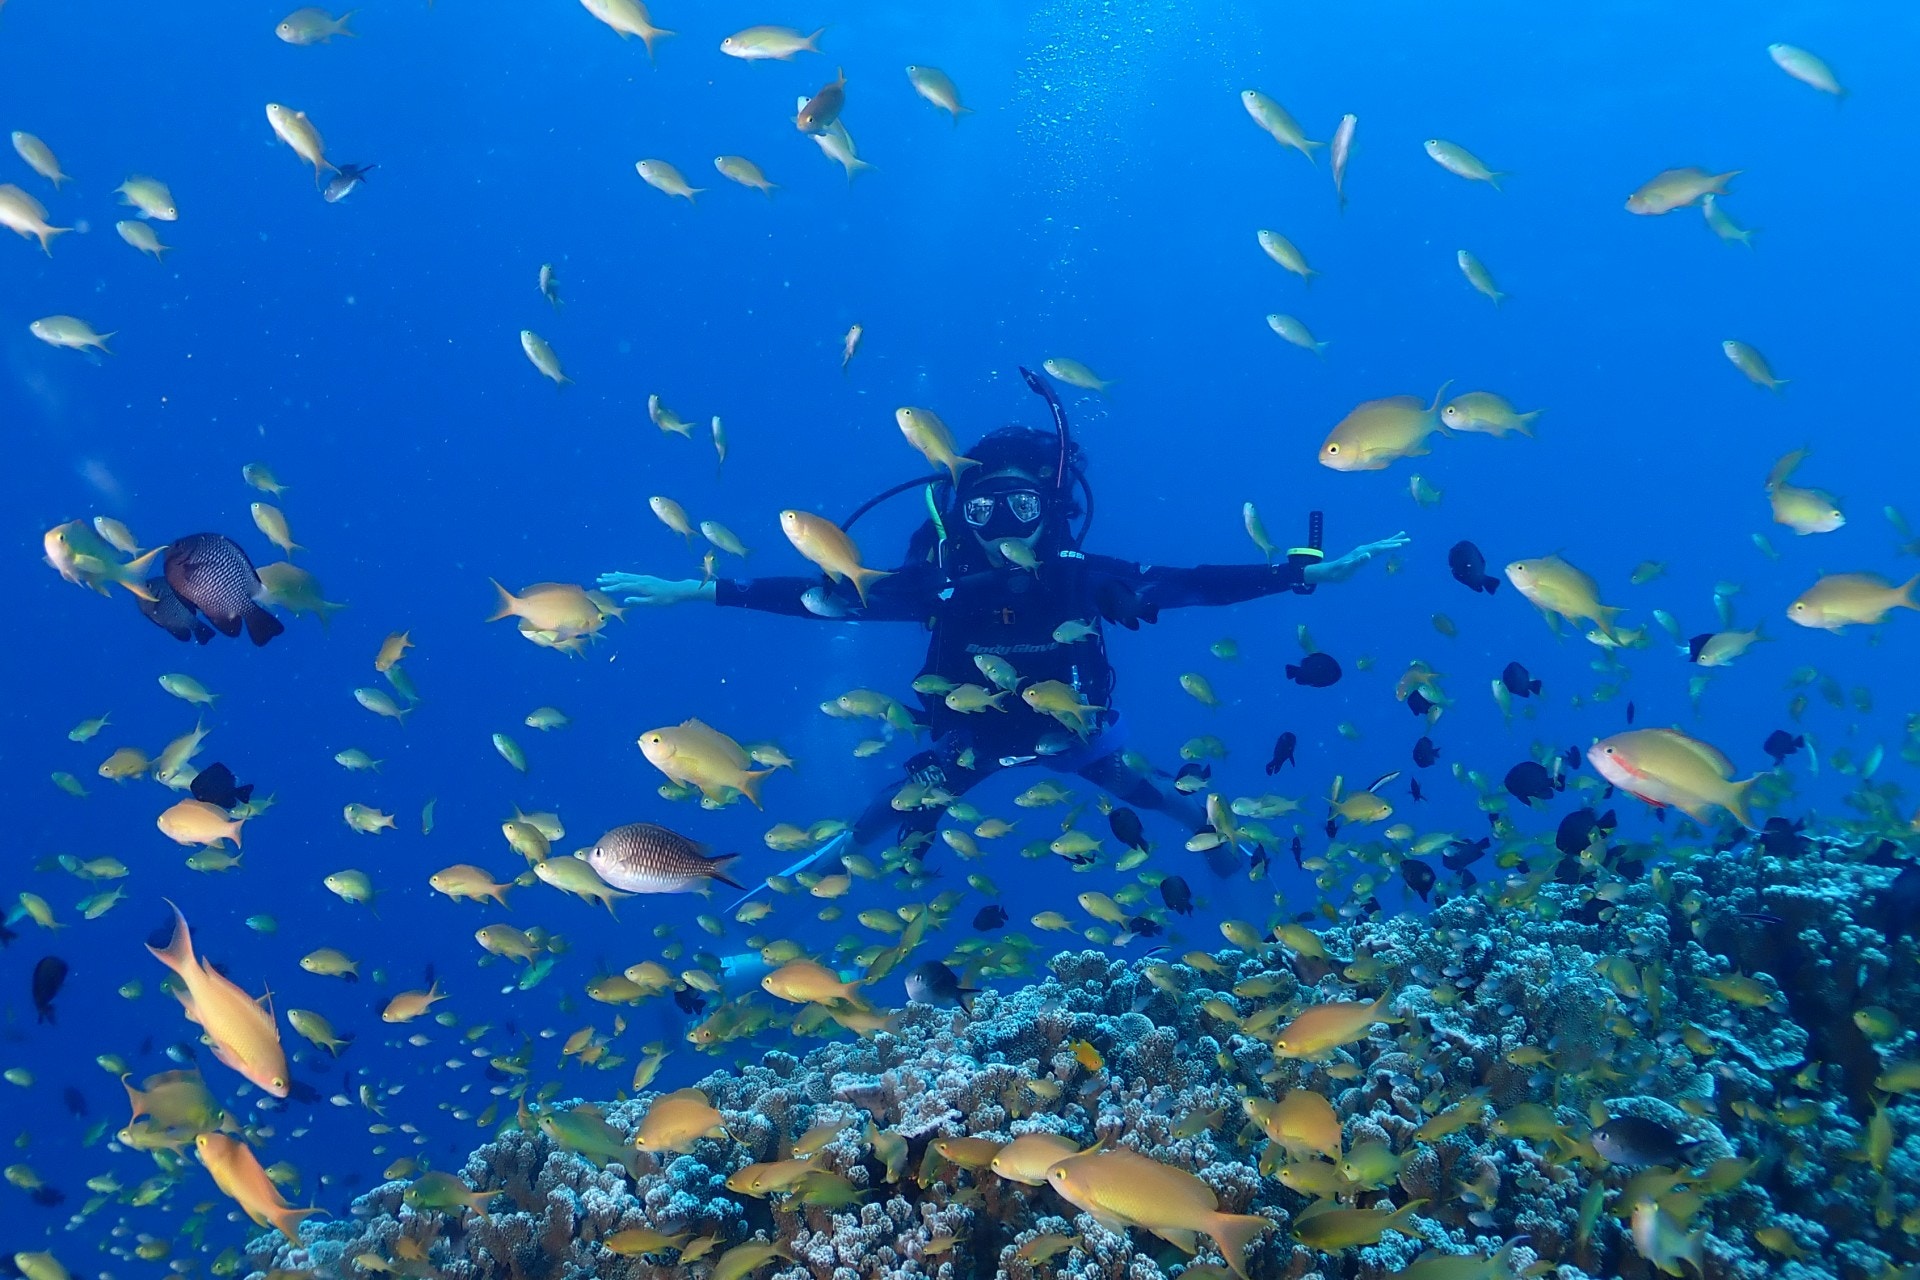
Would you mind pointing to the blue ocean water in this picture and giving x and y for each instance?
(1100, 203)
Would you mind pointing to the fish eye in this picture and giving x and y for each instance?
(1333, 448)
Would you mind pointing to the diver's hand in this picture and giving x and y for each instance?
(1349, 564)
(648, 590)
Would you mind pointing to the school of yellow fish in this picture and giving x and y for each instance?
(178, 1111)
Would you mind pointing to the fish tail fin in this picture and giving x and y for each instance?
(340, 29)
(178, 953)
(861, 577)
(1905, 599)
(960, 464)
(717, 869)
(505, 606)
(287, 1220)
(1437, 396)
(1493, 179)
(1233, 1232)
(1397, 1220)
(1524, 423)
(1737, 802)
(263, 626)
(750, 785)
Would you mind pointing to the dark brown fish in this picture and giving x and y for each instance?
(172, 614)
(213, 573)
(48, 977)
(643, 858)
(823, 108)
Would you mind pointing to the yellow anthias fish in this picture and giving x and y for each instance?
(26, 216)
(1303, 1123)
(1284, 252)
(1666, 767)
(408, 1005)
(807, 982)
(1379, 432)
(1276, 120)
(628, 18)
(1748, 360)
(293, 128)
(237, 1172)
(1075, 374)
(542, 356)
(663, 177)
(142, 236)
(242, 1033)
(1672, 189)
(1123, 1188)
(676, 1121)
(697, 755)
(1028, 1157)
(756, 44)
(826, 545)
(1553, 586)
(926, 432)
(745, 172)
(1840, 600)
(1485, 411)
(1062, 701)
(938, 88)
(197, 822)
(39, 157)
(78, 554)
(557, 607)
(1325, 1027)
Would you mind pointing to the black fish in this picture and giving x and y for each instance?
(171, 614)
(1780, 744)
(1125, 824)
(47, 977)
(1419, 877)
(1078, 859)
(1529, 781)
(1425, 753)
(213, 573)
(1573, 757)
(990, 917)
(216, 785)
(1629, 711)
(1315, 671)
(1297, 848)
(935, 982)
(1418, 702)
(1177, 894)
(1697, 644)
(1283, 753)
(1462, 853)
(76, 1101)
(1636, 1142)
(1782, 838)
(1144, 927)
(1413, 789)
(1577, 830)
(1470, 568)
(1519, 681)
(691, 1002)
(346, 181)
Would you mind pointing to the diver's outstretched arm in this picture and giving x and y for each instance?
(645, 589)
(1347, 565)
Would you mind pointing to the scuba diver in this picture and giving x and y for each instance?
(998, 577)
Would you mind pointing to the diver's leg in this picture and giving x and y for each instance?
(1113, 774)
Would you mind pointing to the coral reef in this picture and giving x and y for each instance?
(1713, 995)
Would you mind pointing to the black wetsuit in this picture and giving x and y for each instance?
(1012, 613)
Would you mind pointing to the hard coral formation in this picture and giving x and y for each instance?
(1558, 1002)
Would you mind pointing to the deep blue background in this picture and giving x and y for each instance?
(1101, 204)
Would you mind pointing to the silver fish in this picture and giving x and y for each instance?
(644, 858)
